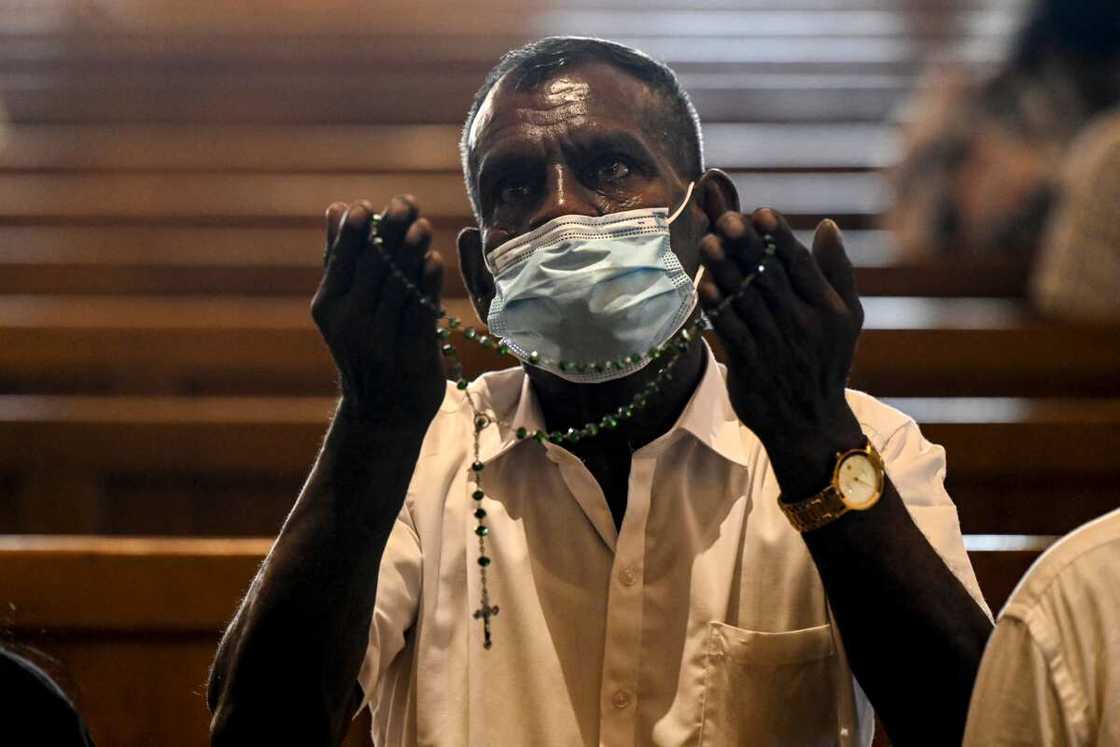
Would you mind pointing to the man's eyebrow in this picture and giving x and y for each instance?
(503, 158)
(614, 139)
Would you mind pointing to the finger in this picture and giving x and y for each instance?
(805, 278)
(333, 220)
(740, 241)
(828, 250)
(756, 313)
(431, 277)
(723, 270)
(785, 306)
(413, 249)
(398, 216)
(348, 245)
(728, 325)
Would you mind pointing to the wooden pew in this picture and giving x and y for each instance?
(264, 200)
(207, 260)
(233, 465)
(910, 346)
(376, 148)
(133, 623)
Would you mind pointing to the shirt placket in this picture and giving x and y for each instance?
(619, 695)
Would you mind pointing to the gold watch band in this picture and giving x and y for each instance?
(812, 513)
(828, 505)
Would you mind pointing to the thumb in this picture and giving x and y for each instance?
(828, 251)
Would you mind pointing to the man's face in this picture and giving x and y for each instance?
(573, 144)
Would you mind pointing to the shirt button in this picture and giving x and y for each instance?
(628, 577)
(621, 699)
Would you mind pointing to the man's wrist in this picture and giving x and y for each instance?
(803, 466)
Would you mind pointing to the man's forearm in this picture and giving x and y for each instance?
(288, 664)
(913, 634)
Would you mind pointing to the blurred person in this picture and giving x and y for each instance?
(981, 160)
(34, 711)
(1051, 671)
(1077, 275)
(748, 554)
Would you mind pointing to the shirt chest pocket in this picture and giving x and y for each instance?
(765, 689)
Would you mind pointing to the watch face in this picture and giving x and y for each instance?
(858, 481)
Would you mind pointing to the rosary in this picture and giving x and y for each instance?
(665, 355)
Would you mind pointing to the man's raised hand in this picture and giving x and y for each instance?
(382, 340)
(789, 339)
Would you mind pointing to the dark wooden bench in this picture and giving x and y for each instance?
(132, 624)
(233, 465)
(909, 346)
(205, 260)
(376, 148)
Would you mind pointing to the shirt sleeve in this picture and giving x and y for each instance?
(1015, 701)
(394, 611)
(916, 467)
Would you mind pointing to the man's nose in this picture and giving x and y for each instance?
(564, 194)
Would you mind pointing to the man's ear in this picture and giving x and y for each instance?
(479, 281)
(716, 194)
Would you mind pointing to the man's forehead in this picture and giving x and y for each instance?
(572, 95)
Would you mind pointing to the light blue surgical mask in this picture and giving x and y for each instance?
(591, 289)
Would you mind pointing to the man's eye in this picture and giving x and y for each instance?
(512, 192)
(611, 170)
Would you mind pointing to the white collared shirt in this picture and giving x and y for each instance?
(1051, 671)
(702, 621)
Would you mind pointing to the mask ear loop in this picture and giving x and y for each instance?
(700, 272)
(684, 203)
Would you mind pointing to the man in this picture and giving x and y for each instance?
(651, 588)
(1050, 673)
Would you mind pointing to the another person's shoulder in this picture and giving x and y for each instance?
(1078, 270)
(1084, 564)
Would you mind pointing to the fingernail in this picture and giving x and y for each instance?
(767, 220)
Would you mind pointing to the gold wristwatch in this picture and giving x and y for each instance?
(857, 484)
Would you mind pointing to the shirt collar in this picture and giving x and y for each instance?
(509, 398)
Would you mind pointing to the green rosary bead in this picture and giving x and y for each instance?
(686, 335)
(534, 357)
(478, 466)
(572, 435)
(454, 323)
(478, 495)
(521, 433)
(609, 422)
(471, 334)
(503, 349)
(486, 341)
(540, 437)
(556, 437)
(448, 351)
(462, 383)
(481, 531)
(592, 429)
(566, 366)
(480, 513)
(443, 333)
(483, 561)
